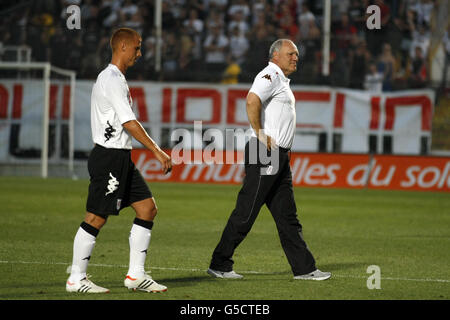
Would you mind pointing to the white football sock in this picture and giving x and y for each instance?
(139, 241)
(83, 245)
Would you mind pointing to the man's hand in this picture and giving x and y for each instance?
(268, 141)
(164, 159)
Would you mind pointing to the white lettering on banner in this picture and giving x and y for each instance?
(314, 174)
(364, 170)
(151, 168)
(427, 177)
(330, 170)
(374, 179)
(213, 173)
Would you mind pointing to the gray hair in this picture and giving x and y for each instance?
(276, 46)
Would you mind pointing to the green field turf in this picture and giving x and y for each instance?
(406, 234)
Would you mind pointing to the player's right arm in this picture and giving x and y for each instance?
(254, 107)
(261, 90)
(138, 132)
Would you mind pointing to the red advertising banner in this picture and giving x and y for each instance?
(313, 170)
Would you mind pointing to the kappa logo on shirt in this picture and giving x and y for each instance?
(109, 131)
(267, 76)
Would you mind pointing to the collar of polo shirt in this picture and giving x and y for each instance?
(280, 72)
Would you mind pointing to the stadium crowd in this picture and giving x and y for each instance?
(227, 40)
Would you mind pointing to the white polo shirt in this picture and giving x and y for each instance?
(278, 102)
(111, 106)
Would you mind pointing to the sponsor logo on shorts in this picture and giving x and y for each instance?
(112, 184)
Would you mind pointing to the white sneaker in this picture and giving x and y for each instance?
(315, 275)
(144, 283)
(84, 286)
(224, 275)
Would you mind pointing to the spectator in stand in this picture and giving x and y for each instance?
(127, 10)
(260, 40)
(346, 35)
(359, 60)
(239, 46)
(149, 58)
(377, 36)
(420, 38)
(215, 49)
(385, 11)
(170, 56)
(346, 32)
(287, 23)
(215, 19)
(199, 5)
(386, 65)
(58, 48)
(169, 23)
(373, 81)
(357, 13)
(419, 74)
(90, 63)
(219, 5)
(88, 11)
(186, 58)
(304, 20)
(131, 17)
(238, 21)
(75, 53)
(109, 14)
(423, 10)
(231, 73)
(257, 11)
(193, 24)
(239, 5)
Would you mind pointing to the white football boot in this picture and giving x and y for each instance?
(84, 286)
(315, 275)
(224, 275)
(144, 283)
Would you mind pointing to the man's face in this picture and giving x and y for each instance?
(133, 50)
(287, 57)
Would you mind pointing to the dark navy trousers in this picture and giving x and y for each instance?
(276, 191)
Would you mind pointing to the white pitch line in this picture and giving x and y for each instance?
(203, 270)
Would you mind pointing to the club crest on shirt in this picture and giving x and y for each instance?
(267, 76)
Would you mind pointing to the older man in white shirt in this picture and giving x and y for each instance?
(271, 113)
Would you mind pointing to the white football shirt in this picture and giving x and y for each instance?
(111, 106)
(278, 102)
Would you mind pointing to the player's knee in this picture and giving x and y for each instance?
(153, 211)
(95, 220)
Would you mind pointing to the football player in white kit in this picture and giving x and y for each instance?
(115, 183)
(271, 113)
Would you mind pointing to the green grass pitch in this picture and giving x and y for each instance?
(406, 234)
